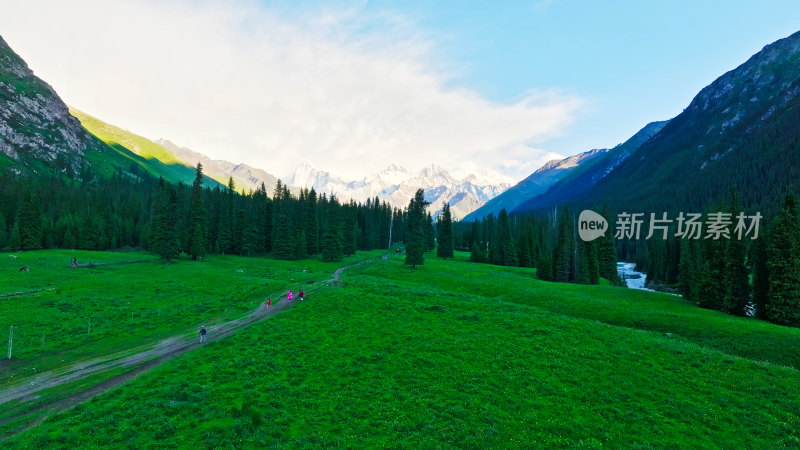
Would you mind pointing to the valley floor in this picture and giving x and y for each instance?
(450, 354)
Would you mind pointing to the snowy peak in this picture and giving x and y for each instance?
(396, 186)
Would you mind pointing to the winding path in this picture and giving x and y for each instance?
(140, 362)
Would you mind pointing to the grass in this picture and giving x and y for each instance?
(126, 148)
(129, 305)
(464, 355)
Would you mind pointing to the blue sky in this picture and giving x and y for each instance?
(493, 88)
(633, 62)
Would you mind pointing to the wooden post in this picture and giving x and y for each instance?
(391, 225)
(10, 340)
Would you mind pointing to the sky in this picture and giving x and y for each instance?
(493, 88)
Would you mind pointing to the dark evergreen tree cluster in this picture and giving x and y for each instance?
(124, 211)
(549, 244)
(417, 241)
(737, 276)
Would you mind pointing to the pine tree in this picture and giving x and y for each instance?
(445, 239)
(198, 240)
(506, 253)
(198, 247)
(478, 253)
(587, 266)
(544, 267)
(30, 223)
(430, 233)
(332, 237)
(415, 233)
(736, 274)
(3, 232)
(224, 234)
(349, 237)
(689, 266)
(164, 237)
(284, 244)
(300, 245)
(563, 258)
(312, 225)
(783, 304)
(607, 255)
(14, 240)
(761, 276)
(331, 245)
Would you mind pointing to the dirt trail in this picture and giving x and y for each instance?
(139, 362)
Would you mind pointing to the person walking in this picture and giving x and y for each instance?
(202, 334)
(302, 294)
(269, 302)
(289, 295)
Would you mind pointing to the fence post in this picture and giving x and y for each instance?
(10, 340)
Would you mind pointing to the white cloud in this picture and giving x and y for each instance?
(347, 91)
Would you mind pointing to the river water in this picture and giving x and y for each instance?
(633, 279)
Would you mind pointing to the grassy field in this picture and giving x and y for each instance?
(457, 354)
(128, 305)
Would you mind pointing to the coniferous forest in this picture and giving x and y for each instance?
(123, 212)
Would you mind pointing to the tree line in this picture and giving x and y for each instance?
(92, 212)
(547, 243)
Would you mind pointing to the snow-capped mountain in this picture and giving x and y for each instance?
(396, 186)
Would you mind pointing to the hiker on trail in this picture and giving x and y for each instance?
(289, 295)
(202, 334)
(302, 294)
(269, 302)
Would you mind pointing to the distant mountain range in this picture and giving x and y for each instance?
(535, 184)
(244, 176)
(396, 186)
(741, 132)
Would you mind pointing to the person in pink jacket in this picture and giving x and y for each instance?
(289, 295)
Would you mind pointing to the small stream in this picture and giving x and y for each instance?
(633, 279)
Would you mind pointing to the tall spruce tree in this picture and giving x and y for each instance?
(349, 231)
(478, 252)
(198, 239)
(564, 255)
(312, 224)
(607, 255)
(331, 245)
(30, 223)
(164, 237)
(198, 246)
(783, 305)
(415, 233)
(445, 240)
(14, 239)
(736, 274)
(430, 233)
(544, 266)
(506, 253)
(3, 232)
(761, 276)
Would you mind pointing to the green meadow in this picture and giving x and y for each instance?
(83, 313)
(452, 354)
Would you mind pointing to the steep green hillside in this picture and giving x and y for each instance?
(535, 184)
(741, 131)
(380, 361)
(583, 177)
(126, 150)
